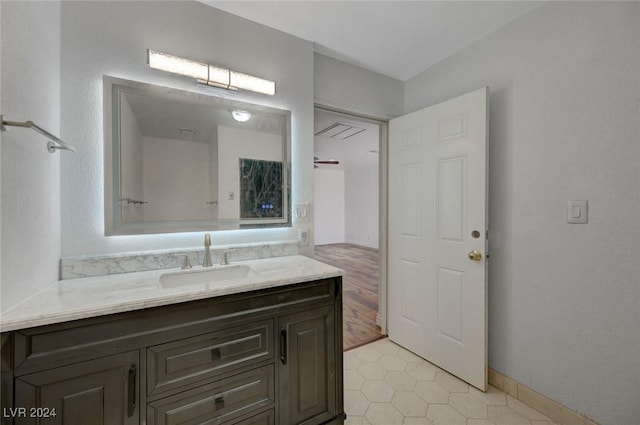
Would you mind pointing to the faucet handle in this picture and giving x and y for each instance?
(207, 239)
(185, 264)
(225, 257)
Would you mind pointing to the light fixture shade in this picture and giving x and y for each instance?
(241, 116)
(176, 65)
(210, 74)
(249, 82)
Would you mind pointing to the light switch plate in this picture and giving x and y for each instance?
(577, 212)
(301, 213)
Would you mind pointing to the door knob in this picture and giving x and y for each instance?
(475, 255)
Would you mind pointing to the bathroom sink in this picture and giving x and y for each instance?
(208, 275)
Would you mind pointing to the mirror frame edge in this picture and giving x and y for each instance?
(113, 226)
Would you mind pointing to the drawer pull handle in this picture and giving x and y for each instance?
(283, 346)
(131, 391)
(215, 354)
(219, 402)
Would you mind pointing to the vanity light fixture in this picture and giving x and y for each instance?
(241, 116)
(210, 75)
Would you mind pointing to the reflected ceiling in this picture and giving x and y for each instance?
(162, 118)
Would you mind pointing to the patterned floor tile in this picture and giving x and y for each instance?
(383, 414)
(504, 415)
(352, 380)
(400, 380)
(432, 392)
(409, 404)
(377, 391)
(388, 385)
(443, 414)
(469, 406)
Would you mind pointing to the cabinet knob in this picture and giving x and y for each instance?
(215, 354)
(219, 402)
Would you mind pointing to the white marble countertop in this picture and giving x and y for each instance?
(74, 299)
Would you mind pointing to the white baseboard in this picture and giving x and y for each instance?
(554, 410)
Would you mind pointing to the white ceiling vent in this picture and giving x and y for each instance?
(340, 131)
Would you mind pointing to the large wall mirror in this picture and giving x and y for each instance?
(178, 161)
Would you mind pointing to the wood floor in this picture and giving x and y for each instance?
(359, 290)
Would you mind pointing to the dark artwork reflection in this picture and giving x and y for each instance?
(260, 188)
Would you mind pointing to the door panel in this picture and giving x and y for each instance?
(451, 196)
(451, 304)
(101, 392)
(410, 199)
(437, 216)
(410, 273)
(307, 367)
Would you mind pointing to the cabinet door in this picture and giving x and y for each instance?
(307, 367)
(97, 392)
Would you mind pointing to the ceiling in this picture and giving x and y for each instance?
(356, 151)
(398, 39)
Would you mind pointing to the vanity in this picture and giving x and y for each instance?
(262, 345)
(255, 342)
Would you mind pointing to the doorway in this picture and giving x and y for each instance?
(348, 215)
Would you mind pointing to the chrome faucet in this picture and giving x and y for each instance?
(225, 257)
(207, 252)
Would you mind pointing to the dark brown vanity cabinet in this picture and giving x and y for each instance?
(101, 391)
(264, 357)
(308, 366)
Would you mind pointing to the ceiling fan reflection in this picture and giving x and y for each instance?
(317, 161)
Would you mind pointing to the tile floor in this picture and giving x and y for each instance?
(388, 385)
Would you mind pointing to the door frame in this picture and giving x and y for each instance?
(383, 158)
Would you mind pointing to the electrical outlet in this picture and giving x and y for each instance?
(303, 237)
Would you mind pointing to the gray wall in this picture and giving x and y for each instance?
(350, 88)
(329, 206)
(111, 38)
(361, 193)
(564, 300)
(30, 175)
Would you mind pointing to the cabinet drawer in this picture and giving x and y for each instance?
(183, 362)
(265, 418)
(219, 402)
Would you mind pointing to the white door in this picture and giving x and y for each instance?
(437, 235)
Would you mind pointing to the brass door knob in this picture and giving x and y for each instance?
(475, 255)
